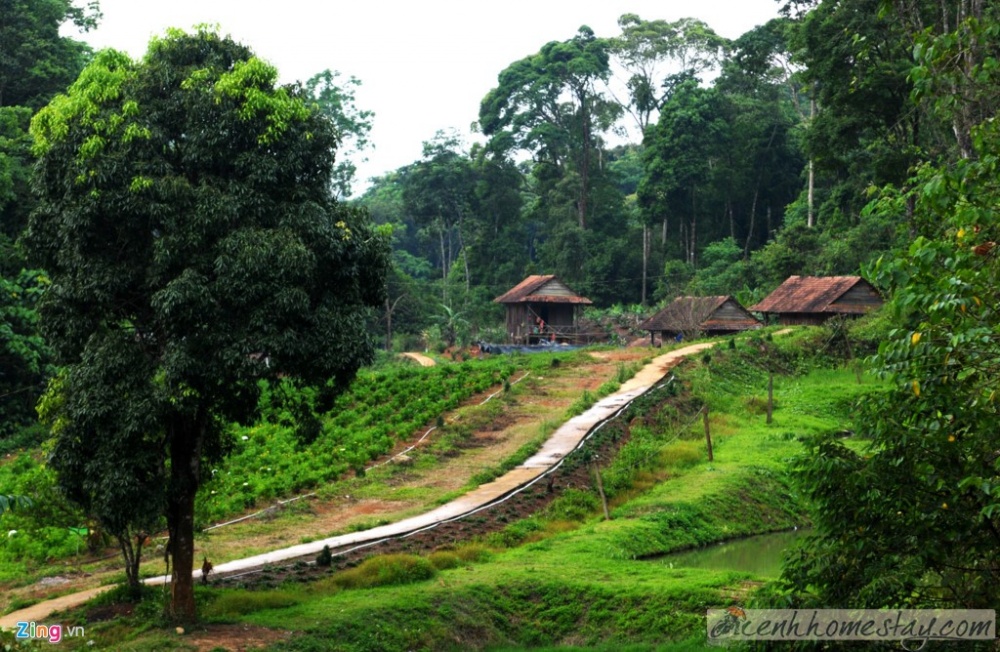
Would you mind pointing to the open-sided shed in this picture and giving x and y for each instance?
(814, 299)
(691, 316)
(542, 307)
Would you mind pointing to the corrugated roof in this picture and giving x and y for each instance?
(807, 294)
(532, 290)
(696, 313)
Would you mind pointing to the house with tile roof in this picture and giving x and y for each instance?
(541, 307)
(815, 299)
(696, 316)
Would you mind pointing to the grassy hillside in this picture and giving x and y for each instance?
(566, 576)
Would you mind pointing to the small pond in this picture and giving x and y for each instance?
(760, 555)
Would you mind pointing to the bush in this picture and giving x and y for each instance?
(386, 570)
(444, 559)
(574, 505)
(683, 454)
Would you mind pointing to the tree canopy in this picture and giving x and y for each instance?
(194, 247)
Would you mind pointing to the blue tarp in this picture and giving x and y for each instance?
(542, 347)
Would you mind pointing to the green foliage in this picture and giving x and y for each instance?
(336, 100)
(582, 404)
(644, 44)
(11, 503)
(269, 460)
(24, 356)
(233, 603)
(723, 270)
(190, 261)
(922, 496)
(386, 570)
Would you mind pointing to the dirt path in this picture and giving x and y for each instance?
(420, 358)
(563, 441)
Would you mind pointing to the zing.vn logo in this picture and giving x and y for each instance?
(50, 633)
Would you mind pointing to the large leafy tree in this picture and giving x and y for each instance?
(36, 62)
(683, 157)
(914, 519)
(550, 104)
(865, 130)
(336, 100)
(194, 248)
(439, 193)
(653, 50)
(24, 357)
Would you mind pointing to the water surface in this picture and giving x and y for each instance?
(760, 555)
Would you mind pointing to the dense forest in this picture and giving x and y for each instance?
(847, 136)
(666, 160)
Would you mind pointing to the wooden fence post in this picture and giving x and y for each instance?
(600, 490)
(770, 395)
(708, 434)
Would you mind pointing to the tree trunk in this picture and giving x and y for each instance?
(694, 229)
(732, 221)
(389, 309)
(645, 260)
(465, 258)
(753, 220)
(133, 558)
(185, 475)
(444, 268)
(812, 174)
(585, 164)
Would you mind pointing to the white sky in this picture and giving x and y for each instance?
(424, 65)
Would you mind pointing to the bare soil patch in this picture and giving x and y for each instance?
(235, 638)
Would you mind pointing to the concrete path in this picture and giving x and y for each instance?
(419, 358)
(562, 442)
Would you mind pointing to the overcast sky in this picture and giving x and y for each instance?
(423, 65)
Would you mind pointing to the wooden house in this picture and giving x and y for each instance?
(542, 307)
(812, 300)
(693, 316)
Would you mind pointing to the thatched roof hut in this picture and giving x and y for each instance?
(691, 316)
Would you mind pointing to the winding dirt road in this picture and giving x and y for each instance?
(563, 441)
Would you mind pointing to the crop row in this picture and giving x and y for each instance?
(273, 458)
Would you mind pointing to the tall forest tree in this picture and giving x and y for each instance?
(683, 161)
(194, 247)
(438, 192)
(914, 520)
(549, 104)
(36, 62)
(865, 131)
(336, 100)
(651, 51)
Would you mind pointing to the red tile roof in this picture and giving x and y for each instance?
(810, 294)
(525, 292)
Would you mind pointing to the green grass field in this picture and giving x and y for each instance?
(566, 577)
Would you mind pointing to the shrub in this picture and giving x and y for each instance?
(444, 559)
(574, 505)
(386, 570)
(682, 454)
